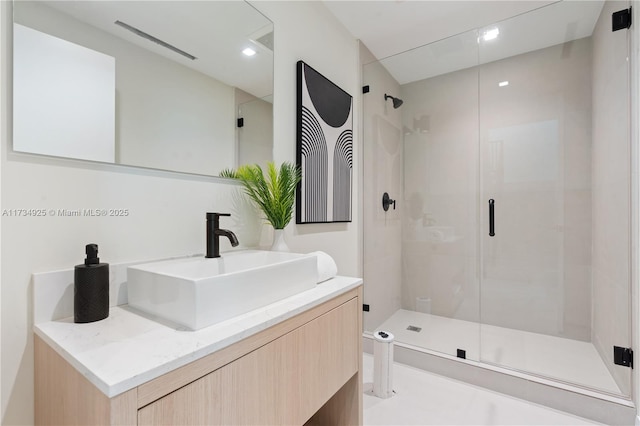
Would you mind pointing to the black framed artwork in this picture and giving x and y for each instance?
(324, 149)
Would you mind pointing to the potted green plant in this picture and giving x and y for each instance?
(273, 191)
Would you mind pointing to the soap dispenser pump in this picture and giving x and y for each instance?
(91, 288)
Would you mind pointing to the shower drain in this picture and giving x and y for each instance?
(414, 328)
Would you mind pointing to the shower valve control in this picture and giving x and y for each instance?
(387, 201)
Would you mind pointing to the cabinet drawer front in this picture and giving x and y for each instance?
(283, 382)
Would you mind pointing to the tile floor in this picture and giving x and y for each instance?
(424, 398)
(520, 350)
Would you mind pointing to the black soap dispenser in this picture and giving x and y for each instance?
(91, 288)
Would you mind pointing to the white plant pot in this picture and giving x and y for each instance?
(279, 244)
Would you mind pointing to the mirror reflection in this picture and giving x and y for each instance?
(155, 84)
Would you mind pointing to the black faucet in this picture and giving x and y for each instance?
(214, 232)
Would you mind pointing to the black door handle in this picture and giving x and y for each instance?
(492, 228)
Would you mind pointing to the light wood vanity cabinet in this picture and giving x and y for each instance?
(306, 369)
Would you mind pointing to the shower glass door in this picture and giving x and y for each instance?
(440, 232)
(554, 195)
(519, 130)
(421, 257)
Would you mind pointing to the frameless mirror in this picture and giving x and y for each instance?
(155, 84)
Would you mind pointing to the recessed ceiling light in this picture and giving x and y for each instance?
(503, 83)
(249, 51)
(491, 34)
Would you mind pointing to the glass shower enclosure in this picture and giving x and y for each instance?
(509, 160)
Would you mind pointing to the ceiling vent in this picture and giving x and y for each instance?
(263, 37)
(154, 39)
(266, 41)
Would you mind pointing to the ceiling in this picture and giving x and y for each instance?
(390, 27)
(215, 32)
(386, 27)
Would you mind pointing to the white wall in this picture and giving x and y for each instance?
(307, 31)
(166, 211)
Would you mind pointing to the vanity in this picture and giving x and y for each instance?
(295, 361)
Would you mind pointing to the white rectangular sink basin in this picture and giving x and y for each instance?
(198, 292)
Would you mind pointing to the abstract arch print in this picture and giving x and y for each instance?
(324, 150)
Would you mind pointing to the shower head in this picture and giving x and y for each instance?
(396, 101)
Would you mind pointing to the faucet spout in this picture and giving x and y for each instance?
(230, 235)
(214, 232)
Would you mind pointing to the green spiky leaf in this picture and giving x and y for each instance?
(229, 173)
(273, 192)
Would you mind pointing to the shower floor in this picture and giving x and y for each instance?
(570, 361)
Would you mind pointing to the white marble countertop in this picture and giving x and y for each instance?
(129, 348)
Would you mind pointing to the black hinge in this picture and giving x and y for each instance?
(240, 122)
(461, 353)
(623, 356)
(621, 20)
(365, 307)
(365, 89)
